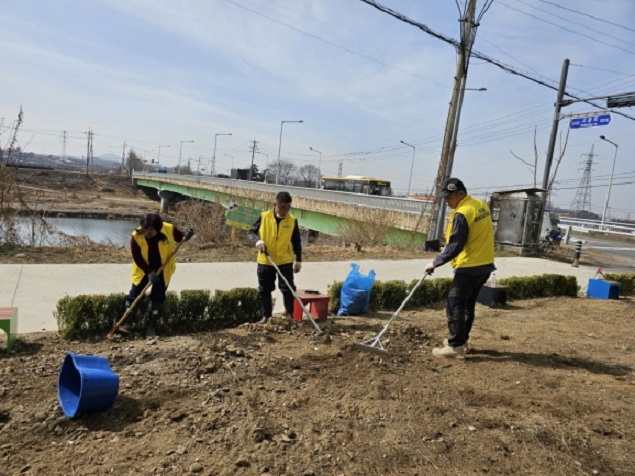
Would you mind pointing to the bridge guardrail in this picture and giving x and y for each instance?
(371, 201)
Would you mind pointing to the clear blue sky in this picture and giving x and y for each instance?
(157, 72)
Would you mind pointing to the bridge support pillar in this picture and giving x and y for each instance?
(165, 197)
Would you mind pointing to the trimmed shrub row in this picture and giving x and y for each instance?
(627, 282)
(93, 316)
(388, 295)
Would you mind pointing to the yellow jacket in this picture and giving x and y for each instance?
(479, 248)
(165, 248)
(277, 238)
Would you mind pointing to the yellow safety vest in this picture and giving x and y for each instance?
(479, 248)
(165, 248)
(277, 238)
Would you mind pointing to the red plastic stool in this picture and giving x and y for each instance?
(317, 304)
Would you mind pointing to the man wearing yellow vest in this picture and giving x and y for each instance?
(277, 233)
(469, 248)
(151, 244)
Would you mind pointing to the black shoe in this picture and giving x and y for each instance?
(263, 320)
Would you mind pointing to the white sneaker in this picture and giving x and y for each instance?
(466, 346)
(450, 352)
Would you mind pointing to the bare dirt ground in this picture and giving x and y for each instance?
(547, 389)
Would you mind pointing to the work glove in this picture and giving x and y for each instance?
(153, 277)
(430, 269)
(261, 246)
(297, 267)
(189, 234)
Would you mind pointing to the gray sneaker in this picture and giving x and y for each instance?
(264, 320)
(465, 346)
(449, 352)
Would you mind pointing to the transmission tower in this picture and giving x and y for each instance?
(582, 199)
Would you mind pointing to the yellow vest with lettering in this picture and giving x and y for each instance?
(165, 248)
(479, 248)
(277, 238)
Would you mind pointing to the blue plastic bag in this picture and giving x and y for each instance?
(355, 293)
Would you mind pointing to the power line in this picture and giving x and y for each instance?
(586, 15)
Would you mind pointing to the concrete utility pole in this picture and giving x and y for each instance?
(64, 145)
(123, 158)
(468, 32)
(554, 127)
(253, 153)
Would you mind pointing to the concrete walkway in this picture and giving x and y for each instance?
(35, 288)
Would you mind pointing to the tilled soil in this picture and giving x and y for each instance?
(546, 389)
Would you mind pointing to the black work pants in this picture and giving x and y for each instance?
(157, 293)
(267, 284)
(460, 306)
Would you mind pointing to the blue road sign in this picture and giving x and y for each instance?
(592, 121)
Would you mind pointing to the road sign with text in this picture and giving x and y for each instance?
(591, 121)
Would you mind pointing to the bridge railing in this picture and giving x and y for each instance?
(371, 201)
(581, 224)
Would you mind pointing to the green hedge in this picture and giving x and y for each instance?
(545, 285)
(388, 295)
(93, 316)
(627, 282)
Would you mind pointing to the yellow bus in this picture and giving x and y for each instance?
(357, 184)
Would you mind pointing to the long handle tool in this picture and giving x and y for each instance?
(295, 295)
(374, 344)
(116, 327)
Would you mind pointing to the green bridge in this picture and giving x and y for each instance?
(403, 220)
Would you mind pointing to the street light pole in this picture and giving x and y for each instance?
(608, 194)
(411, 165)
(279, 148)
(317, 183)
(178, 171)
(214, 154)
(159, 155)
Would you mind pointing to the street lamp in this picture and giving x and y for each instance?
(608, 194)
(180, 150)
(317, 184)
(411, 165)
(159, 154)
(280, 147)
(214, 154)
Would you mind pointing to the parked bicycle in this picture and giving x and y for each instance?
(551, 241)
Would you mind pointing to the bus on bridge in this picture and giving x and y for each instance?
(357, 184)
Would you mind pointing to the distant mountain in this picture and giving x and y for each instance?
(110, 157)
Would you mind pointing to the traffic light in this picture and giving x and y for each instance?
(626, 100)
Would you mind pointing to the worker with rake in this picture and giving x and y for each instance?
(470, 249)
(277, 236)
(152, 245)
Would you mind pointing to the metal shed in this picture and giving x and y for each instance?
(517, 217)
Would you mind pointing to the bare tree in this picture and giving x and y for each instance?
(287, 173)
(534, 166)
(308, 176)
(134, 161)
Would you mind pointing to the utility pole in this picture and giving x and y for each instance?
(339, 168)
(468, 31)
(123, 158)
(64, 139)
(554, 127)
(253, 153)
(89, 150)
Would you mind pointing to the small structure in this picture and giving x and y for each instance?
(517, 217)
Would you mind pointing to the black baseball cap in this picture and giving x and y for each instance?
(451, 185)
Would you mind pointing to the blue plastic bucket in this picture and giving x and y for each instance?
(86, 384)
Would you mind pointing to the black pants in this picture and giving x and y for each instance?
(157, 293)
(460, 306)
(267, 284)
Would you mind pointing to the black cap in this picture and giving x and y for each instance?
(451, 185)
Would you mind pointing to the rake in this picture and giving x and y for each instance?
(295, 295)
(374, 345)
